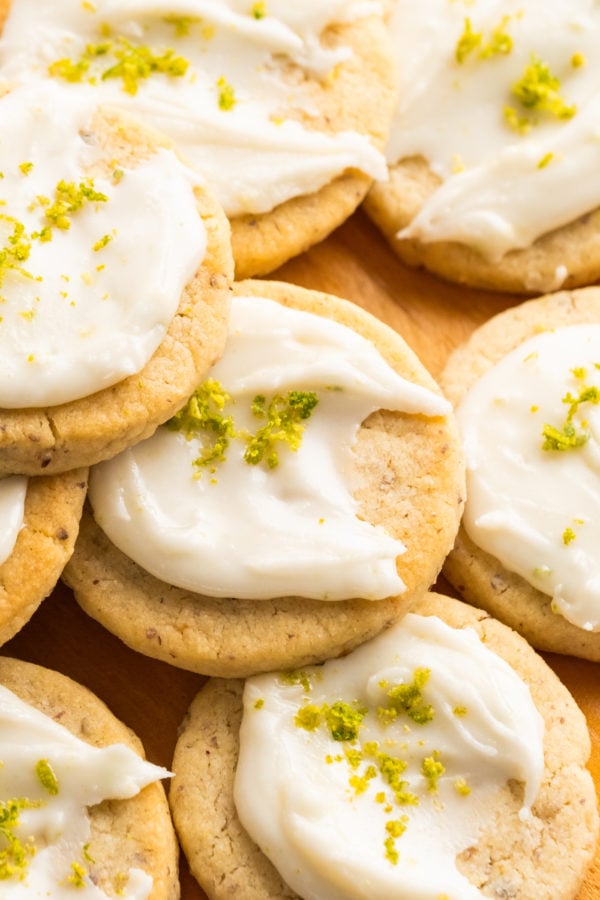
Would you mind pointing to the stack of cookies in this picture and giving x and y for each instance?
(255, 484)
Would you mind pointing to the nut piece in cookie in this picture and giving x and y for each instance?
(81, 807)
(527, 393)
(114, 281)
(310, 487)
(493, 177)
(445, 737)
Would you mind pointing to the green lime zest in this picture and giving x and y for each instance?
(77, 876)
(68, 199)
(46, 776)
(182, 24)
(408, 699)
(284, 415)
(499, 43)
(259, 10)
(130, 62)
(538, 90)
(467, 42)
(566, 437)
(226, 94)
(14, 854)
(395, 828)
(16, 250)
(432, 770)
(341, 719)
(203, 415)
(135, 63)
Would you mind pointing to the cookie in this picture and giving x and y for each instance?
(107, 323)
(528, 581)
(126, 834)
(43, 542)
(541, 853)
(285, 113)
(489, 152)
(405, 476)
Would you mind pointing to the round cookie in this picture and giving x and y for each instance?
(336, 83)
(132, 833)
(543, 857)
(479, 577)
(80, 432)
(53, 506)
(409, 480)
(563, 256)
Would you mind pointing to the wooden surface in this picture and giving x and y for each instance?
(152, 697)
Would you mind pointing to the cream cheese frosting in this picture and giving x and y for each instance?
(501, 99)
(373, 765)
(81, 308)
(48, 780)
(255, 530)
(223, 79)
(531, 429)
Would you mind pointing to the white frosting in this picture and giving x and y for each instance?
(250, 531)
(85, 318)
(495, 195)
(256, 154)
(536, 510)
(293, 788)
(12, 507)
(57, 825)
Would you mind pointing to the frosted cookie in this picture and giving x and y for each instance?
(446, 737)
(81, 807)
(40, 520)
(526, 388)
(285, 531)
(114, 270)
(493, 161)
(285, 108)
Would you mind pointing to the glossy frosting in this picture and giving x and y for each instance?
(234, 101)
(251, 531)
(53, 777)
(502, 188)
(12, 507)
(80, 305)
(346, 816)
(537, 510)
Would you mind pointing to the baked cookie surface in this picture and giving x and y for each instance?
(286, 114)
(53, 507)
(498, 137)
(80, 423)
(478, 575)
(407, 478)
(544, 856)
(125, 834)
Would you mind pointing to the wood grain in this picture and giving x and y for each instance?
(152, 697)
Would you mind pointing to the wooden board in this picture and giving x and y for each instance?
(151, 696)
